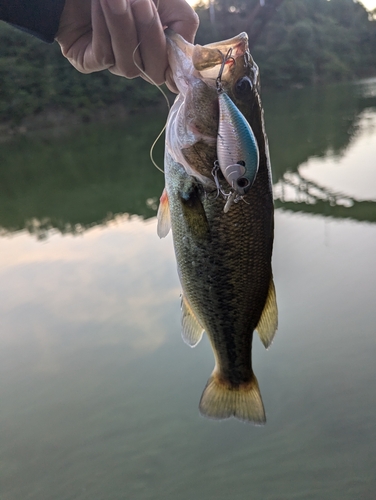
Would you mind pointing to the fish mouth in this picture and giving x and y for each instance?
(210, 55)
(206, 60)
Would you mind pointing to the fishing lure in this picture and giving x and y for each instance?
(237, 149)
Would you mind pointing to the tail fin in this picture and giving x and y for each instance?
(220, 400)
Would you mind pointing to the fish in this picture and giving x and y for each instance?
(223, 259)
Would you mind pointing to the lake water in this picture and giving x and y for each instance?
(99, 395)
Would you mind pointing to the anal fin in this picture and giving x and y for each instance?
(163, 216)
(191, 329)
(268, 323)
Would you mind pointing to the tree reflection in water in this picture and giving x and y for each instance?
(74, 182)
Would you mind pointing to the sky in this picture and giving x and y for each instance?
(369, 4)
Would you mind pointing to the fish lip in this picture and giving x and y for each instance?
(225, 44)
(201, 53)
(171, 34)
(174, 38)
(179, 53)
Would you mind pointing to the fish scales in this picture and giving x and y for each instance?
(224, 259)
(227, 276)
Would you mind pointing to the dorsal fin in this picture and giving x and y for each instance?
(163, 215)
(268, 323)
(191, 329)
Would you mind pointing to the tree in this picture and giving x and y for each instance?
(299, 42)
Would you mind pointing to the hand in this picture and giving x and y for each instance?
(104, 34)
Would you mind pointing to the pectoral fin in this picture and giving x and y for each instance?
(268, 323)
(191, 329)
(163, 216)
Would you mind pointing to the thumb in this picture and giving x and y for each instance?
(180, 17)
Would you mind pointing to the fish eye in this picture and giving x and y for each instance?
(242, 163)
(242, 182)
(243, 86)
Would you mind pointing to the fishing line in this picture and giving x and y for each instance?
(150, 80)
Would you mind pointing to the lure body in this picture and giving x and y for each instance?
(237, 149)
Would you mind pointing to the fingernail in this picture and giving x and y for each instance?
(118, 7)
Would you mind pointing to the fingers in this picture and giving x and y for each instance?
(136, 30)
(137, 39)
(124, 40)
(152, 39)
(179, 16)
(99, 53)
(124, 36)
(83, 36)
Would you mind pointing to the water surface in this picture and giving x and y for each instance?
(98, 392)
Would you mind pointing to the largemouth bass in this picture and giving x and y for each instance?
(224, 259)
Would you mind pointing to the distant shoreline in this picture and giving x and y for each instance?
(59, 122)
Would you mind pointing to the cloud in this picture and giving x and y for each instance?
(115, 285)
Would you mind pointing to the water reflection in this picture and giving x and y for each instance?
(323, 159)
(74, 183)
(77, 294)
(340, 183)
(98, 392)
(314, 122)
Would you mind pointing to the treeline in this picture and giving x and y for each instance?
(35, 77)
(303, 42)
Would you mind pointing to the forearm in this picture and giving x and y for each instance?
(39, 17)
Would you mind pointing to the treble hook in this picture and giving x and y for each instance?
(214, 172)
(226, 58)
(232, 196)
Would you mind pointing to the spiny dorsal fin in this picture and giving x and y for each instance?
(191, 329)
(220, 400)
(163, 216)
(268, 323)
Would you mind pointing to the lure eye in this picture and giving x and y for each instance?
(243, 86)
(242, 182)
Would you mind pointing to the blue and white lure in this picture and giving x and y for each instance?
(237, 149)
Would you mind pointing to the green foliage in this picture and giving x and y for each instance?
(76, 181)
(305, 42)
(82, 179)
(35, 77)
